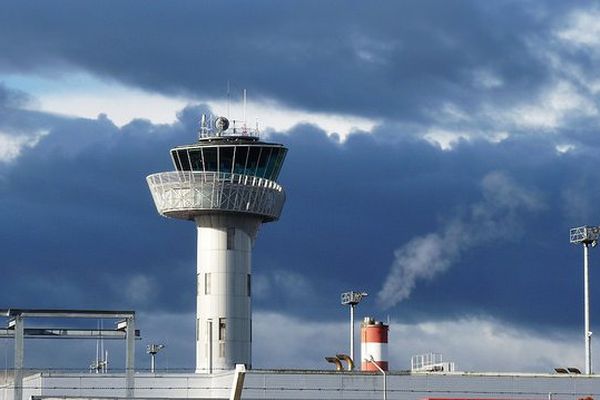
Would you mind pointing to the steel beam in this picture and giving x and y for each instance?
(130, 358)
(48, 313)
(68, 333)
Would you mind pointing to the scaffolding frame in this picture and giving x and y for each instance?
(125, 329)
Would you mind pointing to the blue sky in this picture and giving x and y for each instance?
(438, 154)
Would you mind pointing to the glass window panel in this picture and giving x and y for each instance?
(196, 160)
(271, 163)
(210, 159)
(279, 163)
(225, 159)
(241, 154)
(253, 155)
(262, 161)
(176, 160)
(185, 160)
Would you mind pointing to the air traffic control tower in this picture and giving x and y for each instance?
(227, 184)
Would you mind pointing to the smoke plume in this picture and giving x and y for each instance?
(493, 218)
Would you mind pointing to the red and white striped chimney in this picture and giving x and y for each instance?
(374, 340)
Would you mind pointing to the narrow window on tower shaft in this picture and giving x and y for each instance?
(230, 238)
(248, 286)
(207, 283)
(222, 328)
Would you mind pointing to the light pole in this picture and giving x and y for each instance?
(372, 361)
(586, 235)
(352, 299)
(153, 349)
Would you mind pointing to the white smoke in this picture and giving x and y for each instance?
(495, 217)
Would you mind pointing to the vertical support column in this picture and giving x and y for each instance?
(223, 309)
(130, 358)
(586, 295)
(19, 357)
(352, 331)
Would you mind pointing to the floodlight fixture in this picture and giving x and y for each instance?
(352, 298)
(586, 235)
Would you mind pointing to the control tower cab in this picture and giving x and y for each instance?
(227, 184)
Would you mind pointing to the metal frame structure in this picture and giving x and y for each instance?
(352, 299)
(586, 235)
(16, 329)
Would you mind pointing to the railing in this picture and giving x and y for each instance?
(187, 194)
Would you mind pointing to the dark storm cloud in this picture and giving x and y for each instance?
(393, 60)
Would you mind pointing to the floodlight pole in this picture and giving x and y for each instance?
(586, 309)
(586, 235)
(352, 299)
(352, 331)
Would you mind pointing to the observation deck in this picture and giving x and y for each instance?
(187, 194)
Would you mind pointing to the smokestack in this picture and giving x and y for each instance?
(374, 340)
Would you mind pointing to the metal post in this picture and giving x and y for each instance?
(210, 345)
(19, 356)
(152, 362)
(372, 361)
(586, 295)
(352, 332)
(130, 358)
(238, 382)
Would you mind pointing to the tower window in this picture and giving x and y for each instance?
(253, 155)
(230, 238)
(222, 328)
(226, 159)
(248, 285)
(211, 162)
(184, 160)
(207, 283)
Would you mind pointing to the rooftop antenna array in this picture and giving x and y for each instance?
(215, 126)
(245, 126)
(100, 366)
(228, 99)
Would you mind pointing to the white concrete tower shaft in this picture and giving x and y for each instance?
(227, 185)
(223, 316)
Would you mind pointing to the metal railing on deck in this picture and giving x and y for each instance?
(186, 194)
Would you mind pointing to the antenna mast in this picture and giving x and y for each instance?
(245, 127)
(228, 100)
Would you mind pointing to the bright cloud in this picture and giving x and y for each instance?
(582, 28)
(550, 110)
(83, 95)
(12, 145)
